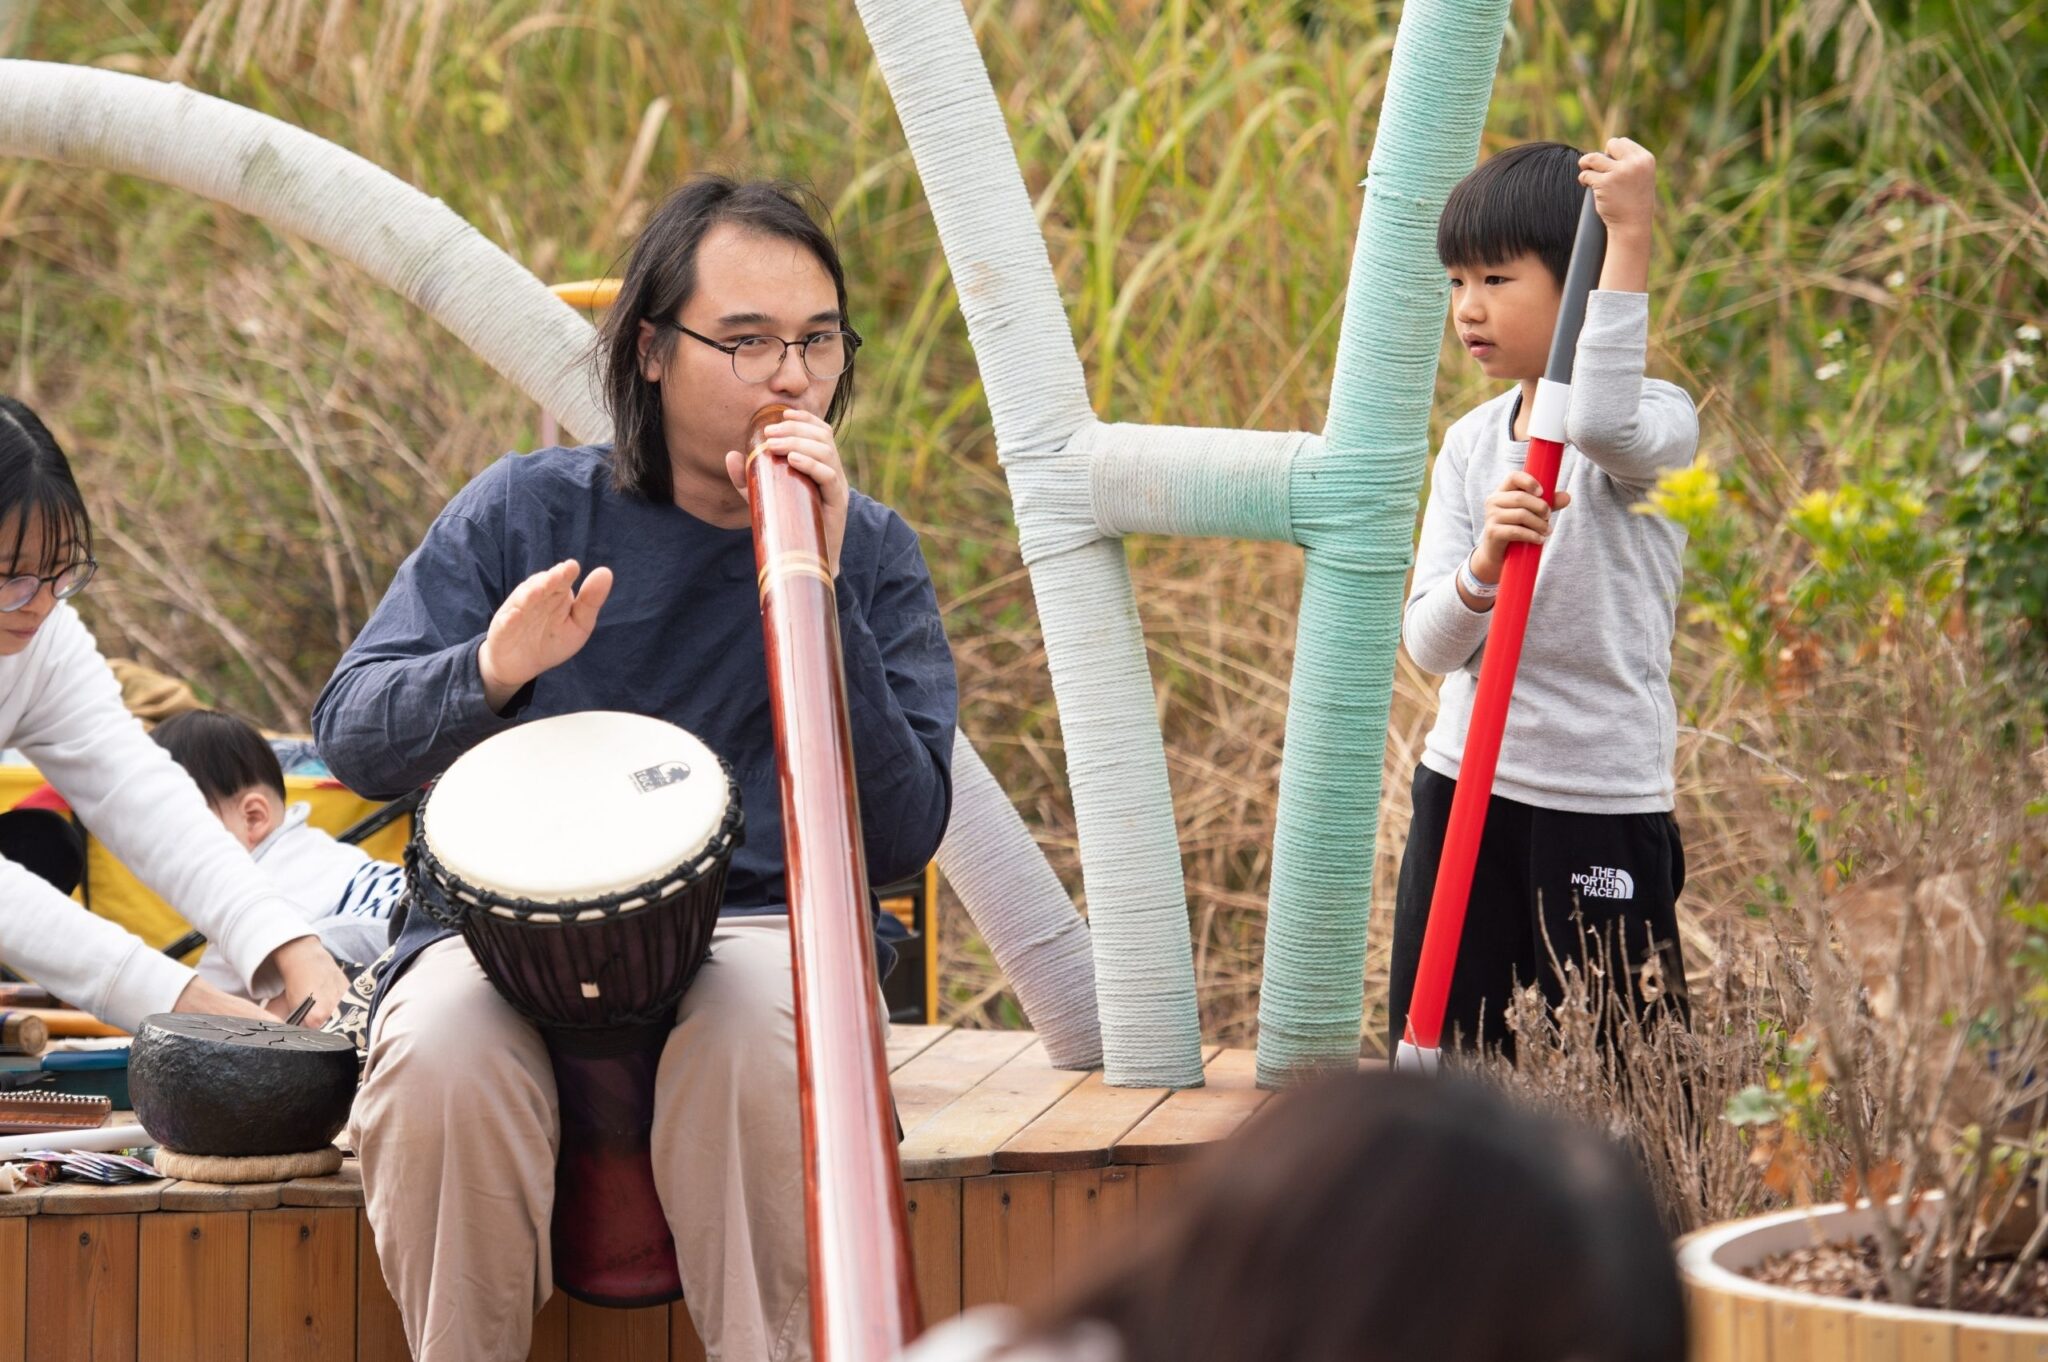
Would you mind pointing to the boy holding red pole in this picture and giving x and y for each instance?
(1579, 838)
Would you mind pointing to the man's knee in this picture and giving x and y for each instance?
(444, 1035)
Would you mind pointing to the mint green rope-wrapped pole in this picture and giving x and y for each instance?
(1353, 499)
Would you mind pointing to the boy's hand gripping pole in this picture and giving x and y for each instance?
(1422, 1042)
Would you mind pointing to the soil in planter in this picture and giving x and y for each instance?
(1851, 1271)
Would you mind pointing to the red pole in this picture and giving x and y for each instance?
(1423, 1039)
(863, 1297)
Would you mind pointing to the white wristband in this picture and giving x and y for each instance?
(1473, 586)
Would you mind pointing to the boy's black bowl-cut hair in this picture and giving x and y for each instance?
(1524, 200)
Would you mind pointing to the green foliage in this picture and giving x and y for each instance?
(1999, 503)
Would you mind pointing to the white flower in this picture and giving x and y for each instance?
(1829, 371)
(1895, 280)
(2029, 334)
(1895, 224)
(1832, 339)
(2021, 434)
(2021, 359)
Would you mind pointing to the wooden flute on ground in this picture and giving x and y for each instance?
(863, 1297)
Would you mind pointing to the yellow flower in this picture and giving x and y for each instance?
(1686, 496)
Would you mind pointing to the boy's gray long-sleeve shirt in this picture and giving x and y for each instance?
(1592, 728)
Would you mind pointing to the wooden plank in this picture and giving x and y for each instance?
(1710, 1320)
(1080, 1129)
(1093, 1211)
(1162, 1188)
(27, 1201)
(1006, 1239)
(908, 1042)
(934, 1207)
(956, 1062)
(1753, 1330)
(1787, 1325)
(192, 1297)
(2029, 1348)
(81, 1288)
(13, 1290)
(1983, 1345)
(380, 1331)
(1827, 1336)
(683, 1343)
(220, 1196)
(597, 1334)
(85, 1198)
(302, 1285)
(1927, 1341)
(1877, 1340)
(344, 1188)
(1177, 1128)
(960, 1140)
(551, 1331)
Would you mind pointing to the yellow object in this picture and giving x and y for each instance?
(590, 295)
(114, 893)
(931, 943)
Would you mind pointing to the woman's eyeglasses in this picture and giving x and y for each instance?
(16, 592)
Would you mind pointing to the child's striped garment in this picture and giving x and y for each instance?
(347, 897)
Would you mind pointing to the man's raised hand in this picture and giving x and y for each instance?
(542, 624)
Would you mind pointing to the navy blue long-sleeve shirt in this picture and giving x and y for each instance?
(679, 639)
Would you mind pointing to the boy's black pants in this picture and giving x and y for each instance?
(1541, 872)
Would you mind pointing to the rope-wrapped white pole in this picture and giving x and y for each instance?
(1116, 758)
(305, 185)
(992, 862)
(417, 246)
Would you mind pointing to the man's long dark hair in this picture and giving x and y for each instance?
(1389, 1218)
(661, 276)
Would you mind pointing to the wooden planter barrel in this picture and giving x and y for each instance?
(1016, 1175)
(1735, 1319)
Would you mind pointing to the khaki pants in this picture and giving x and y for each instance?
(457, 1126)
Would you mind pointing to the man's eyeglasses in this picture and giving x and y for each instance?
(756, 359)
(16, 592)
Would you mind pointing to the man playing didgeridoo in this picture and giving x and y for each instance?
(622, 577)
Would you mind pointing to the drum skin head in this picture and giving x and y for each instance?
(576, 807)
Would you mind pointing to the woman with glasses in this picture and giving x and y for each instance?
(622, 577)
(61, 707)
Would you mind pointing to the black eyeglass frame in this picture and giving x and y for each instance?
(91, 566)
(731, 349)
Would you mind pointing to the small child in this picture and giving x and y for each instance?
(1579, 839)
(347, 896)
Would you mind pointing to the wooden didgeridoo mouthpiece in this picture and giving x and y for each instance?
(863, 1296)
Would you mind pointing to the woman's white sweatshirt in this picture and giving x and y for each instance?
(60, 705)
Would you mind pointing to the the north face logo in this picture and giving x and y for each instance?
(1604, 882)
(659, 777)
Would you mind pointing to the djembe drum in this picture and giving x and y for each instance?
(583, 859)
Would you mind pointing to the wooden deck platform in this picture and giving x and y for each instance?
(1016, 1175)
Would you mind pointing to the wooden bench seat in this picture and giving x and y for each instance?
(1015, 1174)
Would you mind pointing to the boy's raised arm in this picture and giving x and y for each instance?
(1633, 428)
